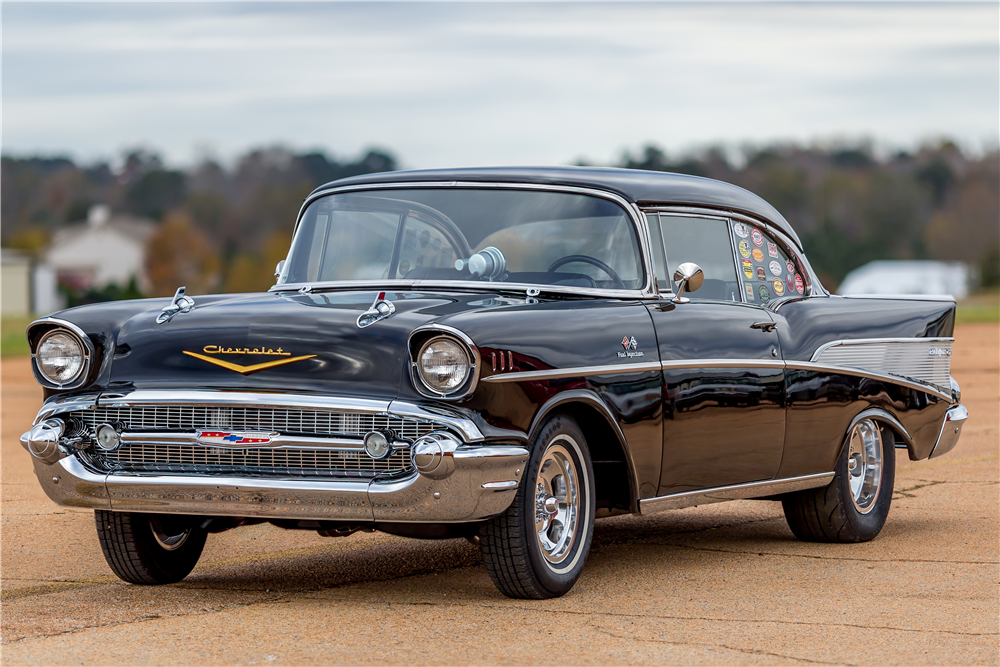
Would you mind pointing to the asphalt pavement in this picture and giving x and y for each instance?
(717, 584)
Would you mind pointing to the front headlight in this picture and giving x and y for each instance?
(60, 357)
(443, 365)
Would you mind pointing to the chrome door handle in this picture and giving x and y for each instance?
(766, 327)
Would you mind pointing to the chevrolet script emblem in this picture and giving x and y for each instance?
(252, 368)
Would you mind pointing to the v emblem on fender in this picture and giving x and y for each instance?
(247, 370)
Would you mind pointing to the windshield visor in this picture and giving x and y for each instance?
(458, 234)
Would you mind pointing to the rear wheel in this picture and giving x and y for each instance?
(854, 506)
(149, 549)
(538, 547)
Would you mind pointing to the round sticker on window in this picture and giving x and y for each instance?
(747, 268)
(790, 266)
(765, 296)
(779, 289)
(775, 268)
(758, 255)
(757, 237)
(760, 274)
(799, 287)
(741, 230)
(744, 248)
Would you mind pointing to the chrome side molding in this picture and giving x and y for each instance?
(718, 494)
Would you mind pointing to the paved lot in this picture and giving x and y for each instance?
(719, 584)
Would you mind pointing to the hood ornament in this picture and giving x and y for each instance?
(180, 304)
(380, 309)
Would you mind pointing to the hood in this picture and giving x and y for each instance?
(301, 343)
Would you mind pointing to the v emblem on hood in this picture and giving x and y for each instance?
(247, 370)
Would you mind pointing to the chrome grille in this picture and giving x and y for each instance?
(290, 421)
(268, 462)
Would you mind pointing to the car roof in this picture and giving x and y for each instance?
(635, 185)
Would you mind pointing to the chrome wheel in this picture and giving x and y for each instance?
(167, 537)
(864, 464)
(557, 501)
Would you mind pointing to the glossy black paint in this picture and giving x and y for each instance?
(639, 187)
(721, 425)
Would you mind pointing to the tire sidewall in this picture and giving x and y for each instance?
(867, 526)
(559, 579)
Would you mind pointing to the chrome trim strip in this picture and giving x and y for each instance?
(860, 372)
(89, 352)
(903, 297)
(440, 414)
(880, 414)
(278, 441)
(951, 430)
(648, 291)
(724, 363)
(926, 360)
(576, 371)
(720, 494)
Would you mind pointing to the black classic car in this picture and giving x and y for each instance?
(504, 355)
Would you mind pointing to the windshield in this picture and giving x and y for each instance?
(495, 235)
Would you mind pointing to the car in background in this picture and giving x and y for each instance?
(505, 355)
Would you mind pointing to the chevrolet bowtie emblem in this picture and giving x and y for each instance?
(247, 370)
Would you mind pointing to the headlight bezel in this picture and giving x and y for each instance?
(37, 333)
(423, 337)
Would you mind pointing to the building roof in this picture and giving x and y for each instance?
(636, 186)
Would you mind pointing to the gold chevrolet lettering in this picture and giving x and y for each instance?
(269, 351)
(246, 370)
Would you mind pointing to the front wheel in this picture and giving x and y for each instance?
(854, 506)
(149, 549)
(538, 547)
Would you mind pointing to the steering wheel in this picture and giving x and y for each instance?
(586, 259)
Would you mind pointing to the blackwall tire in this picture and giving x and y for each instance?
(149, 549)
(538, 547)
(855, 505)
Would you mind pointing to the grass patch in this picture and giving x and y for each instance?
(979, 308)
(12, 340)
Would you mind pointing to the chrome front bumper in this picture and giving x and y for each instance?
(951, 430)
(459, 477)
(481, 485)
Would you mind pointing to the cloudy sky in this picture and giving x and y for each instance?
(462, 84)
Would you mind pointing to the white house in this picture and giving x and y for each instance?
(28, 287)
(106, 249)
(909, 277)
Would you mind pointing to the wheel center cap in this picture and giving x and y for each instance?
(551, 505)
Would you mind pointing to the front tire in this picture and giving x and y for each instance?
(538, 547)
(149, 549)
(854, 506)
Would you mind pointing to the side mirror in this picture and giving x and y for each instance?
(279, 268)
(689, 278)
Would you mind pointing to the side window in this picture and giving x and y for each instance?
(767, 271)
(663, 282)
(706, 242)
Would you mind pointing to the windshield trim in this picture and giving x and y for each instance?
(635, 215)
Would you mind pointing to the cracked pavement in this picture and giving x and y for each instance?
(717, 584)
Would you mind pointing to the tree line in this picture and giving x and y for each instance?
(224, 228)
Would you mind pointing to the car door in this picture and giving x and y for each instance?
(723, 378)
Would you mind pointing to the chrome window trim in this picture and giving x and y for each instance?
(718, 494)
(89, 352)
(648, 291)
(60, 404)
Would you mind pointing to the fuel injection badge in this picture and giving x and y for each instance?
(628, 342)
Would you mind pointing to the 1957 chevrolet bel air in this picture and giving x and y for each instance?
(499, 354)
